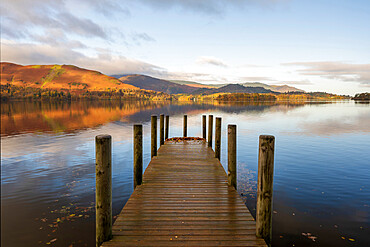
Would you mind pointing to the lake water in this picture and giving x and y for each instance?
(321, 180)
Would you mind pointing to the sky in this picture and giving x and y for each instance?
(314, 45)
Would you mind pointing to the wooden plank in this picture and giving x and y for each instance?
(184, 200)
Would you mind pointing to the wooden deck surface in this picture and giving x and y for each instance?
(185, 201)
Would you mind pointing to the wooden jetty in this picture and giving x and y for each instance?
(185, 198)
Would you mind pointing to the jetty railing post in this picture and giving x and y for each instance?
(210, 130)
(264, 187)
(103, 195)
(167, 126)
(218, 138)
(204, 122)
(161, 129)
(185, 125)
(153, 151)
(231, 155)
(138, 154)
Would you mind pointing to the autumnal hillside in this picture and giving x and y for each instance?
(56, 77)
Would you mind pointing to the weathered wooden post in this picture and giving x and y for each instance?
(185, 125)
(218, 138)
(161, 129)
(264, 187)
(204, 122)
(167, 126)
(231, 155)
(103, 195)
(210, 130)
(138, 154)
(153, 151)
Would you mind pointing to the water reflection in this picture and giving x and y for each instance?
(321, 183)
(67, 117)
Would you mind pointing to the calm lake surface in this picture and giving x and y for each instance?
(321, 180)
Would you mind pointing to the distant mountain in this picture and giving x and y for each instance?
(58, 77)
(232, 88)
(155, 84)
(286, 88)
(275, 88)
(192, 84)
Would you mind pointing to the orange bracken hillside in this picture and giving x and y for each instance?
(58, 77)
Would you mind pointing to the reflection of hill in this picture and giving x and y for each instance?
(226, 107)
(23, 117)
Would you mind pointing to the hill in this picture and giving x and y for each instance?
(192, 84)
(232, 88)
(362, 96)
(151, 83)
(275, 88)
(57, 77)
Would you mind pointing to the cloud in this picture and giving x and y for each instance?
(211, 60)
(104, 61)
(256, 78)
(210, 7)
(302, 82)
(139, 37)
(22, 18)
(336, 70)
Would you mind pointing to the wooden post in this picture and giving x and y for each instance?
(264, 187)
(167, 126)
(138, 155)
(161, 129)
(218, 138)
(153, 151)
(185, 125)
(204, 121)
(210, 130)
(231, 155)
(103, 196)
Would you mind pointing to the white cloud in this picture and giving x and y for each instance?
(210, 7)
(336, 70)
(256, 78)
(104, 61)
(212, 61)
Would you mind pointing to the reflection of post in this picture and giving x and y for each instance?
(210, 130)
(138, 155)
(218, 138)
(231, 155)
(161, 129)
(167, 126)
(103, 196)
(264, 187)
(153, 151)
(185, 125)
(204, 126)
